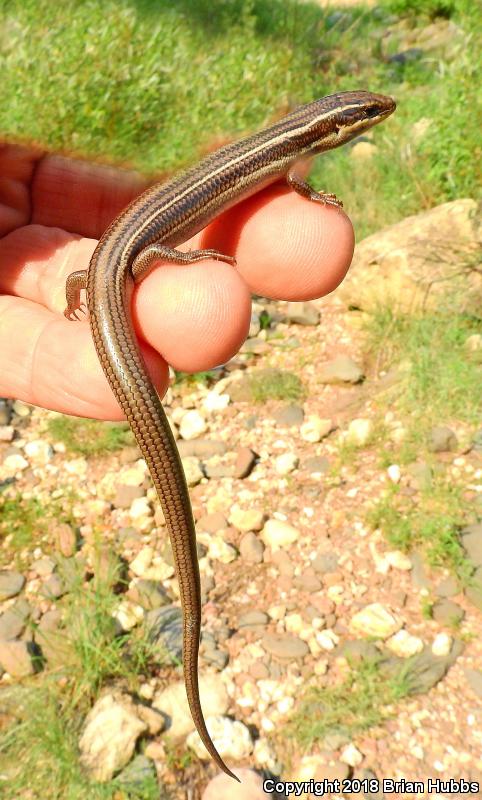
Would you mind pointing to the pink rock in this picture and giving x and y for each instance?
(222, 786)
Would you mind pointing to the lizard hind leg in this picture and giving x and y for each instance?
(74, 284)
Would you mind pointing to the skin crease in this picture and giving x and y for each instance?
(52, 210)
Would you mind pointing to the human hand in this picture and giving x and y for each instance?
(52, 211)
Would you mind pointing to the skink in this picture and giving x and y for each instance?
(148, 230)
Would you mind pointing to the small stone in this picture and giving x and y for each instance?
(217, 658)
(290, 415)
(302, 313)
(351, 756)
(51, 620)
(53, 588)
(327, 639)
(255, 346)
(22, 409)
(474, 342)
(164, 626)
(39, 452)
(473, 592)
(172, 702)
(316, 464)
(334, 741)
(446, 612)
(15, 462)
(283, 563)
(221, 786)
(370, 779)
(286, 463)
(474, 679)
(359, 432)
(421, 476)
(418, 574)
(7, 432)
(253, 620)
(341, 369)
(19, 659)
(448, 587)
(192, 470)
(425, 672)
(148, 594)
(128, 614)
(403, 644)
(284, 646)
(111, 730)
(308, 582)
(142, 561)
(325, 563)
(315, 429)
(201, 448)
(222, 551)
(154, 720)
(5, 411)
(472, 543)
(43, 566)
(251, 548)
(442, 439)
(245, 461)
(212, 523)
(232, 739)
(137, 773)
(11, 583)
(398, 560)
(246, 520)
(477, 441)
(66, 540)
(394, 473)
(192, 425)
(259, 671)
(375, 620)
(215, 402)
(125, 495)
(442, 644)
(278, 534)
(333, 772)
(14, 619)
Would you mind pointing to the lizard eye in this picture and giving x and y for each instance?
(371, 111)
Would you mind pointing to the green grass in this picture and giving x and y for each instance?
(89, 437)
(98, 653)
(442, 378)
(432, 524)
(51, 707)
(440, 385)
(29, 520)
(39, 755)
(153, 83)
(358, 703)
(19, 518)
(190, 380)
(275, 384)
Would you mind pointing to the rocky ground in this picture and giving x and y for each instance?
(299, 588)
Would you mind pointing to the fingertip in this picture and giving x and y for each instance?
(197, 316)
(286, 246)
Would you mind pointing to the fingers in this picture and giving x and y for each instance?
(285, 247)
(47, 361)
(81, 197)
(78, 196)
(196, 315)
